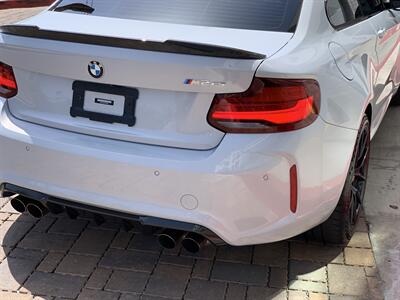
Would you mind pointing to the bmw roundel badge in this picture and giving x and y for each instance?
(95, 69)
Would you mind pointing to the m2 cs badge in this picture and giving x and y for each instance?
(199, 82)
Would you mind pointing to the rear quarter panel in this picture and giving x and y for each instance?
(307, 55)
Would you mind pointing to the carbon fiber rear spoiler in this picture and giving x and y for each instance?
(169, 46)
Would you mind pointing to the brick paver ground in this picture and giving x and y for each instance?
(9, 16)
(58, 258)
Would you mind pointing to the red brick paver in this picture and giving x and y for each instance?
(10, 16)
(83, 261)
(9, 4)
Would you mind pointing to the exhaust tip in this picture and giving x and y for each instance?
(193, 242)
(169, 238)
(36, 210)
(18, 204)
(166, 241)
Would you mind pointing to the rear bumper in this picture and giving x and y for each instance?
(58, 205)
(239, 191)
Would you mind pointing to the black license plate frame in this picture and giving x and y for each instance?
(77, 109)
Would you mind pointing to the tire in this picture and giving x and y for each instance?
(339, 228)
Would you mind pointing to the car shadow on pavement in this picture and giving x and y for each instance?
(77, 259)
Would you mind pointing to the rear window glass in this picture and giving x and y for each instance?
(267, 15)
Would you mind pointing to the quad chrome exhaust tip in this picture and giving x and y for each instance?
(169, 238)
(19, 203)
(36, 209)
(193, 242)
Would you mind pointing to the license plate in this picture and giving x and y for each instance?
(104, 103)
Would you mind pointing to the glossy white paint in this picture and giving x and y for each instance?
(236, 185)
(350, 79)
(45, 89)
(242, 186)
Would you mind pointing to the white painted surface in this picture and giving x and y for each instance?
(234, 199)
(227, 176)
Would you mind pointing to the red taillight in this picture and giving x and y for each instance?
(8, 84)
(269, 105)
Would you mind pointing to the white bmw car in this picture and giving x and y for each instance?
(239, 122)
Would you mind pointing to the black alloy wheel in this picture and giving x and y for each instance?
(339, 228)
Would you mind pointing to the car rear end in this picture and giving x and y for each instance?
(173, 123)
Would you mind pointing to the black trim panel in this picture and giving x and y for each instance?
(169, 46)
